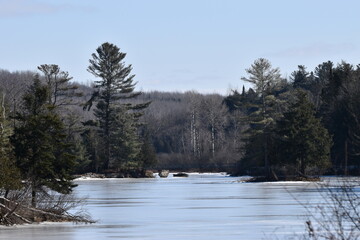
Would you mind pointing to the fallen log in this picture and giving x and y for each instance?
(12, 212)
(6, 218)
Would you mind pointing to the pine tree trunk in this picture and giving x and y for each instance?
(302, 167)
(107, 135)
(33, 197)
(346, 158)
(266, 160)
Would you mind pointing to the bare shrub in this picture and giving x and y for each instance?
(337, 214)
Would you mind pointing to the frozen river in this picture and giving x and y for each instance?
(202, 206)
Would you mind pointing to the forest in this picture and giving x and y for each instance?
(53, 127)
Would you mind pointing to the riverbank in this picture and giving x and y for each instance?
(284, 179)
(150, 174)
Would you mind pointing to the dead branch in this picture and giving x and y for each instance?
(12, 212)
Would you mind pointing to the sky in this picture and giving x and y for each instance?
(180, 45)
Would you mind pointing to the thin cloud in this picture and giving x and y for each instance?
(316, 50)
(16, 8)
(11, 8)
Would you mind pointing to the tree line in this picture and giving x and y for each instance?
(52, 127)
(306, 124)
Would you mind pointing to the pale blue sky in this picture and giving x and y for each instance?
(202, 45)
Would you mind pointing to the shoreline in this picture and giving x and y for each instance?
(96, 176)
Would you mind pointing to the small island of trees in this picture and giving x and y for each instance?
(52, 128)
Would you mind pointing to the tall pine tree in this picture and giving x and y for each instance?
(113, 110)
(265, 79)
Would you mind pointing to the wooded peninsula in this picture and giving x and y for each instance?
(53, 128)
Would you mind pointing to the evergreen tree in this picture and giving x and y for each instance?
(235, 100)
(125, 144)
(9, 173)
(91, 139)
(300, 78)
(62, 97)
(323, 75)
(263, 76)
(340, 113)
(147, 154)
(74, 129)
(266, 80)
(303, 142)
(112, 91)
(61, 91)
(352, 90)
(42, 153)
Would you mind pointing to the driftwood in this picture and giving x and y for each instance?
(12, 213)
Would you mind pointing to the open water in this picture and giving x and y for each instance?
(202, 206)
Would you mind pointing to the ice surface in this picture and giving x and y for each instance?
(202, 206)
